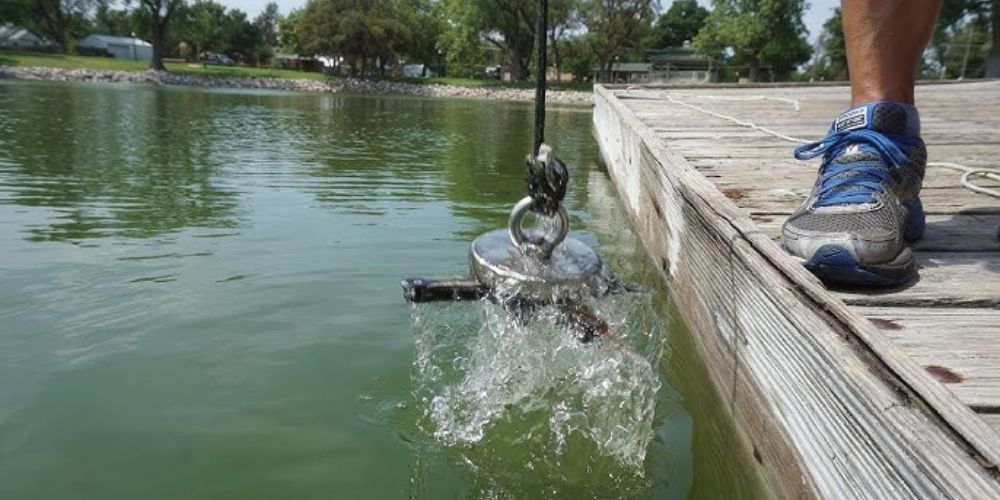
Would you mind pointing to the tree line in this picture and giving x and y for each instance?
(751, 39)
(965, 44)
(177, 28)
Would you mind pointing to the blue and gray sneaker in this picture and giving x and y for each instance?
(866, 202)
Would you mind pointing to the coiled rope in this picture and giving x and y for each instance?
(967, 172)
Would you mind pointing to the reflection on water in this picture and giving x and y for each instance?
(199, 298)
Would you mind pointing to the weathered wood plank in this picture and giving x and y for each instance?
(966, 279)
(993, 419)
(958, 346)
(776, 339)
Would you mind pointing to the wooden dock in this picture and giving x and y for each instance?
(838, 394)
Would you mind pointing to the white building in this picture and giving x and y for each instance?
(16, 37)
(119, 47)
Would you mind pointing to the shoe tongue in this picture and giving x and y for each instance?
(885, 117)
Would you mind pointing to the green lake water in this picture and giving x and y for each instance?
(199, 298)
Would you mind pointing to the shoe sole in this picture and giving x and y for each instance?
(835, 265)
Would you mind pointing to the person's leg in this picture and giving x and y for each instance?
(885, 41)
(865, 204)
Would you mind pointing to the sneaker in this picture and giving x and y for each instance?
(865, 204)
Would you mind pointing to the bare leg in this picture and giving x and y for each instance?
(885, 41)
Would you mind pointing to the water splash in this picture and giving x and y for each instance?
(521, 389)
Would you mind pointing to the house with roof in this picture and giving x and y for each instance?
(632, 72)
(119, 47)
(674, 65)
(16, 37)
(682, 65)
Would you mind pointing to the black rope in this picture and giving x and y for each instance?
(542, 35)
(546, 178)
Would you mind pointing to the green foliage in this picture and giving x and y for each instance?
(14, 11)
(962, 49)
(425, 25)
(756, 34)
(288, 32)
(63, 21)
(834, 46)
(580, 60)
(966, 32)
(203, 27)
(159, 14)
(752, 38)
(614, 26)
(367, 33)
(508, 25)
(831, 62)
(267, 24)
(107, 63)
(564, 19)
(459, 41)
(679, 24)
(111, 21)
(242, 39)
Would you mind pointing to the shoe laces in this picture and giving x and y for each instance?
(855, 182)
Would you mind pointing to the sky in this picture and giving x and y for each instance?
(818, 12)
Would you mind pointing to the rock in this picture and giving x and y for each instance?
(345, 85)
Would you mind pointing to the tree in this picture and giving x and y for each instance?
(288, 31)
(204, 27)
(459, 42)
(14, 11)
(159, 13)
(424, 28)
(120, 22)
(564, 18)
(957, 15)
(612, 27)
(756, 33)
(679, 24)
(57, 18)
(508, 25)
(962, 51)
(834, 47)
(242, 39)
(267, 23)
(830, 59)
(580, 60)
(368, 33)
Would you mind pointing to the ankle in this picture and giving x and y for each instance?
(869, 114)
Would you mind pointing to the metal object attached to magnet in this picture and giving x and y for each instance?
(525, 265)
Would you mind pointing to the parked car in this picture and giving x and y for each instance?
(217, 58)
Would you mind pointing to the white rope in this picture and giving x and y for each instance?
(969, 172)
(967, 175)
(734, 119)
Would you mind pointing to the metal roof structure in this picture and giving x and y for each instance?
(102, 41)
(12, 36)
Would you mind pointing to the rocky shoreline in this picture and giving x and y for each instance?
(343, 85)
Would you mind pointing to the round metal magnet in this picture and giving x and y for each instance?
(569, 272)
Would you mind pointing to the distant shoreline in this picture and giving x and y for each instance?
(345, 85)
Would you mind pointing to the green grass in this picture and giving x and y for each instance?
(13, 58)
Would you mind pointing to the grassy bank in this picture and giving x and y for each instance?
(109, 64)
(14, 58)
